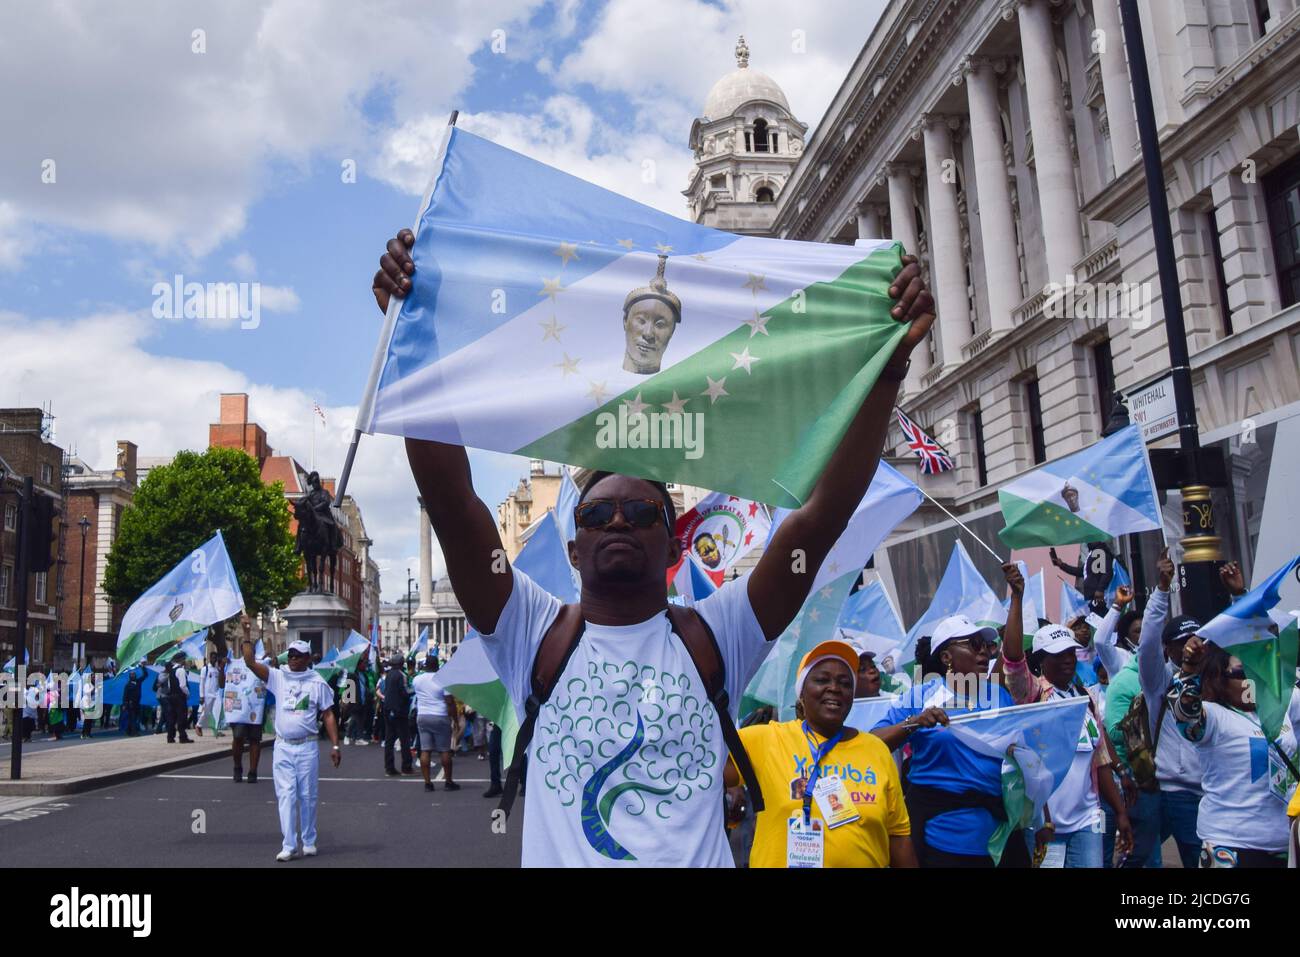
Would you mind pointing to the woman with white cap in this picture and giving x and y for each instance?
(1074, 828)
(954, 794)
(833, 795)
(302, 698)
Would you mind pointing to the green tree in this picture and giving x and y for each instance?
(180, 506)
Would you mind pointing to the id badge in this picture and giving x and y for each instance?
(833, 801)
(804, 846)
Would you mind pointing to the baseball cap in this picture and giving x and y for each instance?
(956, 627)
(1183, 626)
(300, 647)
(1053, 639)
(838, 650)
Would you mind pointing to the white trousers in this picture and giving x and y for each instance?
(208, 710)
(295, 768)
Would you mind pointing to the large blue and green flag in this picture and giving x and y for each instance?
(551, 318)
(1104, 491)
(1267, 652)
(1036, 743)
(200, 591)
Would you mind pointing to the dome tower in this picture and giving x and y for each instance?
(746, 144)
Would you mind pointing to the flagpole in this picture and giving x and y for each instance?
(964, 526)
(390, 320)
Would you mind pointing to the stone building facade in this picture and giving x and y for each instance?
(997, 140)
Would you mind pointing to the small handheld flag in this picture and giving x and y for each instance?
(934, 458)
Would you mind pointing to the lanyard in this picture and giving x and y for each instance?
(818, 755)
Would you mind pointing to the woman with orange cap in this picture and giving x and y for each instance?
(832, 793)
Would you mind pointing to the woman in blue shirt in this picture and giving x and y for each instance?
(954, 794)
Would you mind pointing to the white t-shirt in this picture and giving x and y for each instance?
(300, 697)
(627, 758)
(1074, 805)
(208, 681)
(245, 695)
(1247, 786)
(430, 699)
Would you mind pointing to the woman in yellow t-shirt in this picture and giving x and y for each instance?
(854, 814)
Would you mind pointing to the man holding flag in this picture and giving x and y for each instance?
(619, 649)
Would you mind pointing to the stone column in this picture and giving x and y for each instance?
(1115, 84)
(947, 267)
(869, 224)
(1053, 165)
(902, 229)
(997, 230)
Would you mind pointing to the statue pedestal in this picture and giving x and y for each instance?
(323, 621)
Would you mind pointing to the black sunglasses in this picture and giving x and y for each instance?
(1238, 674)
(637, 512)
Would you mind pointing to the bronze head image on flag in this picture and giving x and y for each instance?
(1071, 496)
(650, 317)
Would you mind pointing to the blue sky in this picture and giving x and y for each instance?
(224, 164)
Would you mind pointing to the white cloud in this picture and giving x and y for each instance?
(244, 265)
(154, 142)
(564, 133)
(109, 387)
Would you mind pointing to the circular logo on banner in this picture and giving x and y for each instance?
(714, 537)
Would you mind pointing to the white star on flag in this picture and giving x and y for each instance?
(568, 366)
(813, 614)
(566, 251)
(550, 287)
(636, 406)
(598, 392)
(715, 389)
(755, 283)
(551, 330)
(744, 360)
(626, 243)
(665, 250)
(756, 325)
(701, 257)
(677, 405)
(825, 592)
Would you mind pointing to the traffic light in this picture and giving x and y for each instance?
(39, 538)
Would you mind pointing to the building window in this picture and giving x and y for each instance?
(761, 141)
(1035, 403)
(47, 473)
(1282, 195)
(1221, 281)
(41, 587)
(1263, 17)
(977, 437)
(1105, 368)
(6, 576)
(11, 517)
(718, 182)
(38, 643)
(764, 195)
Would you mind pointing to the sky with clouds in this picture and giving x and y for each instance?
(214, 140)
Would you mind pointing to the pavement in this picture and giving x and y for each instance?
(77, 764)
(199, 816)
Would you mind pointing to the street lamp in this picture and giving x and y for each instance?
(84, 525)
(410, 639)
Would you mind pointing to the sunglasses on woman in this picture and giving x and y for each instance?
(637, 512)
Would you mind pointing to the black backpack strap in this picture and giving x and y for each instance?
(702, 646)
(553, 656)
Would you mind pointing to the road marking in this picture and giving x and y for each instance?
(24, 809)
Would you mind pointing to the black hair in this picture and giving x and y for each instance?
(930, 663)
(1122, 627)
(1214, 674)
(669, 508)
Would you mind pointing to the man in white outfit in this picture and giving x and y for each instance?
(302, 699)
(210, 695)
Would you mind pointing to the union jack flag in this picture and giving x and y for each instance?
(934, 458)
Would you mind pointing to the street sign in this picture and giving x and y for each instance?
(1153, 409)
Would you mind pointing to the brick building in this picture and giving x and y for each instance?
(99, 498)
(27, 449)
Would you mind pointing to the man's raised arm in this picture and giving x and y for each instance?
(776, 589)
(476, 562)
